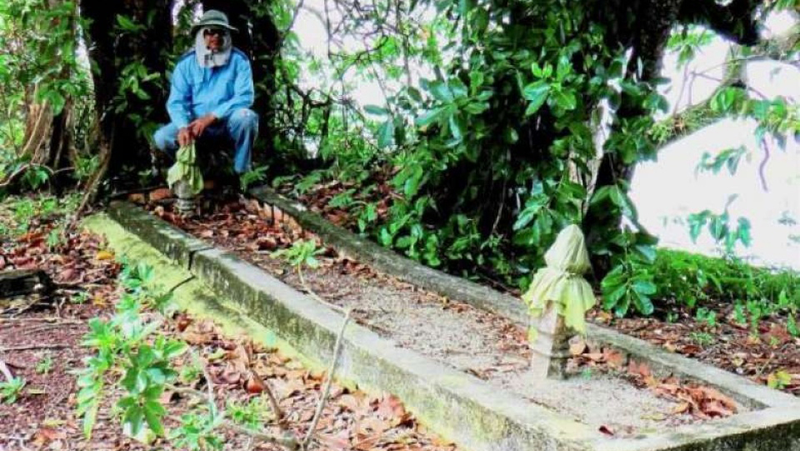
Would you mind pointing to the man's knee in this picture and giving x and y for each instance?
(244, 119)
(165, 137)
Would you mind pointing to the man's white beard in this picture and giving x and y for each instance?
(209, 58)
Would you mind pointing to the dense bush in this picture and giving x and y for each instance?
(692, 278)
(694, 281)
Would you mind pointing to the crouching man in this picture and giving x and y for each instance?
(211, 94)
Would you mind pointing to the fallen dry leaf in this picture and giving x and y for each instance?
(104, 255)
(606, 430)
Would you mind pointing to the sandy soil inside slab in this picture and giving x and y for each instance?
(493, 349)
(471, 340)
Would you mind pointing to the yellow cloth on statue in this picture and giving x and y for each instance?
(562, 282)
(185, 168)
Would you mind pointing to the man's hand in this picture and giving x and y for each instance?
(185, 136)
(199, 125)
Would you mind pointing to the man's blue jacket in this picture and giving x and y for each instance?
(197, 91)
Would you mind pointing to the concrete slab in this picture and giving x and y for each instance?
(458, 406)
(662, 363)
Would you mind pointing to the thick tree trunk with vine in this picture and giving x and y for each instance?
(47, 139)
(125, 119)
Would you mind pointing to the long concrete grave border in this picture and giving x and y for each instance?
(458, 406)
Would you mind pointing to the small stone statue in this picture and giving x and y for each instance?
(558, 298)
(185, 179)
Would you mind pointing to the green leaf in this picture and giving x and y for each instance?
(696, 223)
(647, 252)
(386, 134)
(510, 135)
(644, 287)
(644, 304)
(456, 127)
(127, 24)
(174, 348)
(743, 231)
(90, 418)
(536, 93)
(376, 110)
(429, 117)
(153, 413)
(475, 108)
(611, 297)
(134, 418)
(441, 92)
(565, 99)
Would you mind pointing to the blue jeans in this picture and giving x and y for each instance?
(240, 130)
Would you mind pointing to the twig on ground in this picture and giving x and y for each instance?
(49, 319)
(48, 326)
(316, 297)
(273, 402)
(5, 371)
(34, 347)
(326, 391)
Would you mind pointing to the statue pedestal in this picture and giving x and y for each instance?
(185, 203)
(550, 350)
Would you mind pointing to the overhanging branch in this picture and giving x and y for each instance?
(735, 21)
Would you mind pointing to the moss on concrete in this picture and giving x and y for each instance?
(193, 297)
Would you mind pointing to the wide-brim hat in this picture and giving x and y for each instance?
(213, 19)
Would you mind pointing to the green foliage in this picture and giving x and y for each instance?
(251, 414)
(252, 176)
(688, 42)
(128, 353)
(702, 338)
(779, 380)
(45, 365)
(692, 280)
(720, 229)
(11, 390)
(39, 69)
(25, 210)
(302, 253)
(197, 432)
(704, 315)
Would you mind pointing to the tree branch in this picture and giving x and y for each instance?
(735, 21)
(326, 391)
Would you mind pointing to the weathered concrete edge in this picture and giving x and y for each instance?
(191, 295)
(458, 406)
(170, 241)
(743, 390)
(770, 429)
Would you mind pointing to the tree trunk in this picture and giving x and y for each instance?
(127, 118)
(47, 137)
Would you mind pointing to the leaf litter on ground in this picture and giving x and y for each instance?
(85, 272)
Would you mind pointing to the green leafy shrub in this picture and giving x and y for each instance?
(11, 390)
(691, 279)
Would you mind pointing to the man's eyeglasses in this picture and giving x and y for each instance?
(213, 31)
